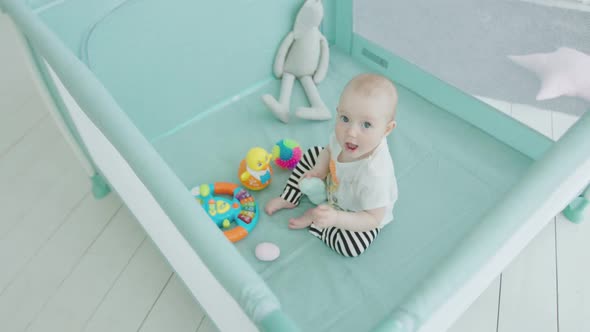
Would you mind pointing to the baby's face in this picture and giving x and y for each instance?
(361, 124)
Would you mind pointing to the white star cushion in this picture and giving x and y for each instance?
(565, 72)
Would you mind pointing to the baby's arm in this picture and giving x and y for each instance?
(326, 216)
(320, 170)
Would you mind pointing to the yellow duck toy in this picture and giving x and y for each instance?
(255, 171)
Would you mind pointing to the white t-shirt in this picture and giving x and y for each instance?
(364, 184)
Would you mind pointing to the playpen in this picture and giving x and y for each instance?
(158, 97)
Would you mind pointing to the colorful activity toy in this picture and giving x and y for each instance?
(240, 210)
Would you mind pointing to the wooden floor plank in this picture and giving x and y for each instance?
(15, 79)
(40, 279)
(81, 293)
(15, 125)
(573, 257)
(528, 295)
(482, 315)
(562, 122)
(30, 171)
(538, 119)
(502, 106)
(528, 288)
(20, 244)
(134, 293)
(175, 310)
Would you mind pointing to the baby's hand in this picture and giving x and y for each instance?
(324, 216)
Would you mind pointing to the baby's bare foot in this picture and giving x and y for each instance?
(277, 204)
(301, 222)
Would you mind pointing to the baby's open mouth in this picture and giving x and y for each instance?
(351, 147)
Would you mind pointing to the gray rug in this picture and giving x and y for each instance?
(466, 42)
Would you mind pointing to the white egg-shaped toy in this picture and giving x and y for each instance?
(267, 251)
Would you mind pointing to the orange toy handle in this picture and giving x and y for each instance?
(224, 188)
(236, 234)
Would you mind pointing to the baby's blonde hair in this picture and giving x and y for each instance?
(373, 85)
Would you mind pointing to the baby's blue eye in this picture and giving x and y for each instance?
(366, 124)
(344, 118)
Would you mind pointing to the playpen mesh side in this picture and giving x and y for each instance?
(467, 43)
(180, 68)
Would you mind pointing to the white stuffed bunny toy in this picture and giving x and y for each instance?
(304, 55)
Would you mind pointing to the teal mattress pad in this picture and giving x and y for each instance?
(449, 173)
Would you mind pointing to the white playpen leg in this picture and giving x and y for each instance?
(100, 187)
(579, 209)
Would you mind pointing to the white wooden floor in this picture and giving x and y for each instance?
(71, 263)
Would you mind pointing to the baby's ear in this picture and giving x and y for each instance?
(390, 126)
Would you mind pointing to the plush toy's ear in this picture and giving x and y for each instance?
(310, 16)
(565, 72)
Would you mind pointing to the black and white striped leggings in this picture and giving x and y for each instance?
(344, 242)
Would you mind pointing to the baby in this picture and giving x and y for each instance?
(357, 168)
